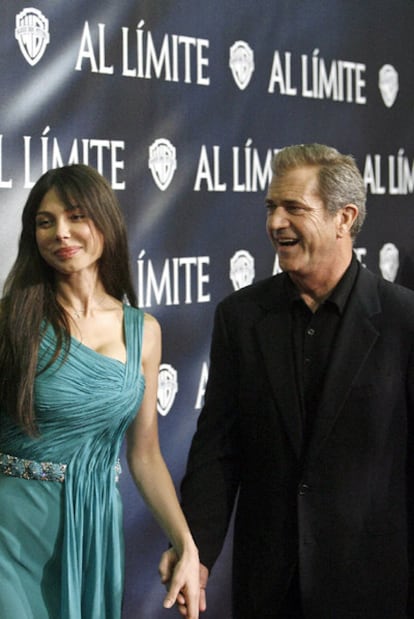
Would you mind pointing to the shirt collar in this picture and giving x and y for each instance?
(339, 295)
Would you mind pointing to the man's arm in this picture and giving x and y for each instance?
(210, 485)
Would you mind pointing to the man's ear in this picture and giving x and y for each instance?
(346, 218)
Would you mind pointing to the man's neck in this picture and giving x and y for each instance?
(314, 289)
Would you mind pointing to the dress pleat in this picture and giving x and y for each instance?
(61, 544)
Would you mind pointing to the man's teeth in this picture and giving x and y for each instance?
(287, 241)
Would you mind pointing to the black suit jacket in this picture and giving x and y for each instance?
(339, 512)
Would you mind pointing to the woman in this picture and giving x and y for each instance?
(77, 361)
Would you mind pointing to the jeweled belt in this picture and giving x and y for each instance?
(41, 471)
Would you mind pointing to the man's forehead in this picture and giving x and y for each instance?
(294, 183)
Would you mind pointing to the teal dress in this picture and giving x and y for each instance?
(61, 541)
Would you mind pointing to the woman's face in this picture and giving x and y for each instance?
(66, 237)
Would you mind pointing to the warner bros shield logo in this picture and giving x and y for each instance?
(241, 269)
(167, 388)
(32, 34)
(162, 162)
(241, 63)
(388, 84)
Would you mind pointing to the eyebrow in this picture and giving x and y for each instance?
(270, 202)
(69, 207)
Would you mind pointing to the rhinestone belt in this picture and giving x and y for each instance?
(41, 471)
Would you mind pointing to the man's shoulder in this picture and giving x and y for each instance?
(384, 286)
(263, 292)
(391, 296)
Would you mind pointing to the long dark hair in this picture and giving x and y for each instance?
(29, 292)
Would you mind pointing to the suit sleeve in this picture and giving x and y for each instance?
(209, 487)
(410, 484)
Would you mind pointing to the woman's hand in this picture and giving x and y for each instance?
(172, 571)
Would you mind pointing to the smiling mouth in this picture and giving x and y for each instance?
(287, 242)
(66, 252)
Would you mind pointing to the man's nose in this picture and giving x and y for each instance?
(278, 218)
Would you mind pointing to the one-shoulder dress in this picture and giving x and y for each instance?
(61, 539)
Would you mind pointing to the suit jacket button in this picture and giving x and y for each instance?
(303, 489)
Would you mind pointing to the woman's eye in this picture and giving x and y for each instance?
(77, 214)
(43, 223)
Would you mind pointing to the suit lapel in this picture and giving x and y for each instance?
(355, 340)
(273, 334)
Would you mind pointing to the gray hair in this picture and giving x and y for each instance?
(339, 180)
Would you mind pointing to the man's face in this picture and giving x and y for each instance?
(302, 232)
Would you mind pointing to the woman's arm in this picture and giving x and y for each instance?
(151, 475)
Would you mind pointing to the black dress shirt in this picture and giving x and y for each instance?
(313, 340)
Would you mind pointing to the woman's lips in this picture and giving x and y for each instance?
(66, 252)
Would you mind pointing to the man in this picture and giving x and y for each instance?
(308, 416)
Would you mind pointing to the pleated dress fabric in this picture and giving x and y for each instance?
(61, 544)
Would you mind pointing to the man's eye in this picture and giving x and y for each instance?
(294, 208)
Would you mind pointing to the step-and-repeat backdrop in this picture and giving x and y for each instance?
(181, 105)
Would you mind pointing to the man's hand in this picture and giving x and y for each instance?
(166, 568)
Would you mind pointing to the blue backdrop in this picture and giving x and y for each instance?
(181, 104)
